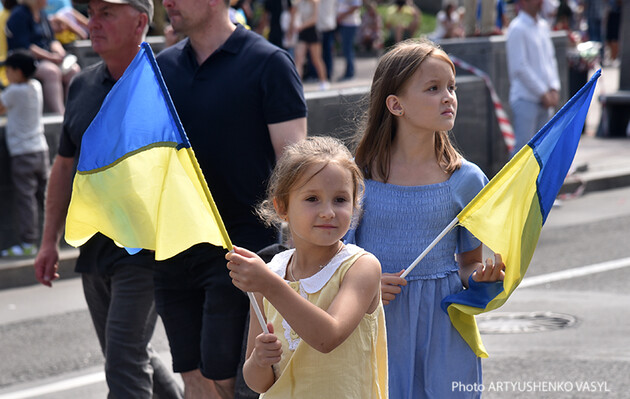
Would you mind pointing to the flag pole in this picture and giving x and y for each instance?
(226, 237)
(180, 129)
(430, 247)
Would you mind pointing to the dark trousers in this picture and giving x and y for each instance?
(347, 45)
(29, 173)
(328, 43)
(123, 313)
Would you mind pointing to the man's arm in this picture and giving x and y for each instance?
(286, 133)
(57, 201)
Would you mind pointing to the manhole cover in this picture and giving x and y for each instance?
(524, 322)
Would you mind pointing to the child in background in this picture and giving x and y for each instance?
(416, 184)
(23, 103)
(321, 299)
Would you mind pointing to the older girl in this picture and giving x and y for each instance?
(416, 184)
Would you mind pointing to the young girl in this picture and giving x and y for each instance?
(416, 184)
(321, 299)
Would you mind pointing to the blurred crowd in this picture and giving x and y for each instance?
(316, 31)
(370, 26)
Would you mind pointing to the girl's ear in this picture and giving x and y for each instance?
(279, 209)
(394, 106)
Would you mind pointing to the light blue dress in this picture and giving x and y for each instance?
(427, 356)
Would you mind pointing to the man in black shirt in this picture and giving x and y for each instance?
(241, 102)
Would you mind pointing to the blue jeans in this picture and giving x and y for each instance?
(527, 119)
(595, 29)
(123, 313)
(347, 46)
(328, 42)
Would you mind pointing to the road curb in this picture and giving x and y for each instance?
(586, 182)
(19, 272)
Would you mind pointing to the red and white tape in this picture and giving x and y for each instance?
(504, 122)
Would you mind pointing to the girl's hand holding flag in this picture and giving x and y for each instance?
(490, 272)
(391, 284)
(267, 349)
(249, 272)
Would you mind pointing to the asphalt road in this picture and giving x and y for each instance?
(590, 358)
(48, 348)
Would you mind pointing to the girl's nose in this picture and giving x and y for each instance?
(327, 211)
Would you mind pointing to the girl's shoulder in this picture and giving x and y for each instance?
(343, 260)
(466, 182)
(468, 171)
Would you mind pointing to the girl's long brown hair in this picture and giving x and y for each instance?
(394, 69)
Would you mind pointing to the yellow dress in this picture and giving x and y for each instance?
(355, 369)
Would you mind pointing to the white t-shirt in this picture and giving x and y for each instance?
(24, 129)
(327, 17)
(354, 19)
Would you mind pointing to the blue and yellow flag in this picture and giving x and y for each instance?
(508, 214)
(138, 181)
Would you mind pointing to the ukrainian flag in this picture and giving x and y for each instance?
(508, 213)
(138, 181)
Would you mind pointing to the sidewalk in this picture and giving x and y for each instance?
(600, 164)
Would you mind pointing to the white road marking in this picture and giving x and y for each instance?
(575, 272)
(56, 386)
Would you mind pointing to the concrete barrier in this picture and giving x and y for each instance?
(616, 118)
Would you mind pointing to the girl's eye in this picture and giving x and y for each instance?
(341, 199)
(452, 88)
(433, 88)
(311, 199)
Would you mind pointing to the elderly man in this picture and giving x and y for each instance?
(118, 287)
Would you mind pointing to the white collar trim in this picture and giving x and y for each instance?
(317, 281)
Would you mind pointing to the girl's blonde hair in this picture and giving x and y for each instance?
(394, 70)
(292, 166)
